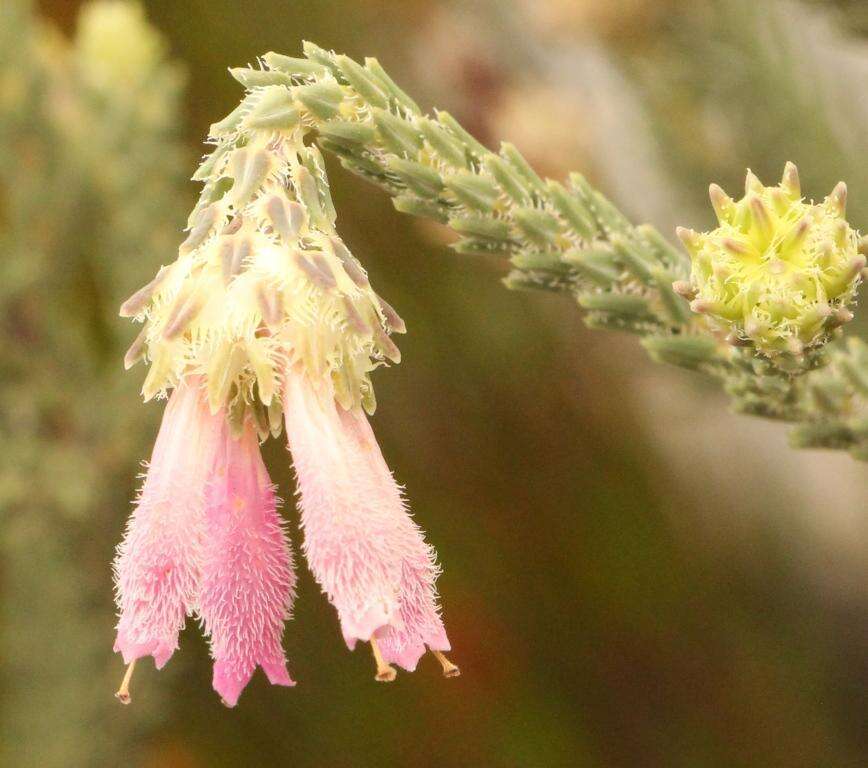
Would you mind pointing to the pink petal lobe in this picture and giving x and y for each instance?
(365, 550)
(277, 673)
(157, 567)
(248, 582)
(130, 650)
(229, 681)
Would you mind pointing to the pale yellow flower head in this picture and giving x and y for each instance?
(778, 273)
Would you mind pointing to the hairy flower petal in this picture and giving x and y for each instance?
(364, 549)
(157, 568)
(248, 583)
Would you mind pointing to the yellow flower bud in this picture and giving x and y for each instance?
(778, 272)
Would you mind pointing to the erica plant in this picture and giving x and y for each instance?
(267, 319)
(267, 324)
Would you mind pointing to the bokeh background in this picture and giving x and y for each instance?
(633, 576)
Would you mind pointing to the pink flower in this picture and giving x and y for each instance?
(157, 568)
(248, 583)
(205, 537)
(364, 549)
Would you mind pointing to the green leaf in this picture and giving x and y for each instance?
(293, 66)
(473, 191)
(480, 226)
(683, 351)
(421, 179)
(256, 78)
(399, 136)
(362, 82)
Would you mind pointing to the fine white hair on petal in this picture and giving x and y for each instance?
(364, 549)
(419, 623)
(248, 581)
(157, 567)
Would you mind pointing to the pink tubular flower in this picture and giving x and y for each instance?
(267, 319)
(248, 583)
(205, 537)
(157, 568)
(363, 547)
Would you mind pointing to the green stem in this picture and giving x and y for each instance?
(558, 238)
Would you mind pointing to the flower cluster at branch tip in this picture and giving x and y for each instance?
(778, 273)
(266, 321)
(263, 279)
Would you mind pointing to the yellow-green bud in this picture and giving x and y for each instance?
(779, 272)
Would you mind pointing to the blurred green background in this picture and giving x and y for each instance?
(633, 576)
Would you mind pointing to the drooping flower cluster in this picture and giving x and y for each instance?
(266, 318)
(778, 272)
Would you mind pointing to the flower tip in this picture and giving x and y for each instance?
(838, 199)
(407, 658)
(277, 674)
(229, 683)
(162, 655)
(135, 304)
(721, 202)
(684, 289)
(362, 626)
(752, 183)
(790, 182)
(131, 651)
(690, 238)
